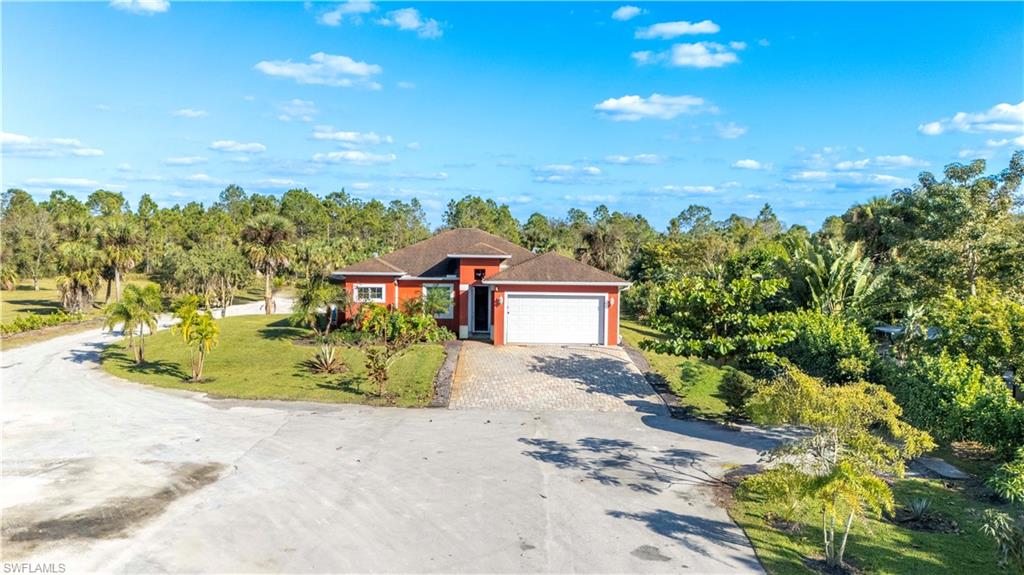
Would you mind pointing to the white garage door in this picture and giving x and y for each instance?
(554, 319)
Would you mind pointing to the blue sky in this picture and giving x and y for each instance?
(645, 107)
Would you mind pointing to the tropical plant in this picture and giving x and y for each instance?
(430, 303)
(8, 276)
(1007, 529)
(390, 334)
(80, 265)
(839, 279)
(136, 311)
(853, 433)
(200, 333)
(316, 305)
(719, 319)
(326, 360)
(829, 346)
(736, 388)
(120, 242)
(266, 242)
(919, 508)
(33, 321)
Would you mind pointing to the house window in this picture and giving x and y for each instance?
(366, 293)
(478, 274)
(449, 292)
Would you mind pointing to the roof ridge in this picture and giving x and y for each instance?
(388, 264)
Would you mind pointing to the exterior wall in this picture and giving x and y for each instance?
(397, 292)
(467, 267)
(611, 317)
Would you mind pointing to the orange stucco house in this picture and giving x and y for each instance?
(499, 291)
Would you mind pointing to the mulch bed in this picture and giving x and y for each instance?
(930, 522)
(446, 374)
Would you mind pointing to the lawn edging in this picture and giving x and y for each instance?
(445, 376)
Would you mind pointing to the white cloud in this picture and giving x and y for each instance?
(520, 199)
(83, 183)
(638, 159)
(124, 167)
(763, 42)
(623, 13)
(413, 146)
(185, 161)
(297, 109)
(274, 183)
(748, 164)
(809, 176)
(361, 186)
(643, 57)
(352, 9)
(350, 138)
(201, 178)
(738, 45)
(1018, 141)
(566, 174)
(324, 70)
(730, 131)
(688, 189)
(188, 113)
(410, 19)
(141, 6)
(885, 162)
(1001, 118)
(702, 55)
(355, 157)
(18, 145)
(632, 108)
(406, 85)
(669, 30)
(233, 146)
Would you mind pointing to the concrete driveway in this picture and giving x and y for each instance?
(550, 378)
(106, 475)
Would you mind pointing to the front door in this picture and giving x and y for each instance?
(481, 309)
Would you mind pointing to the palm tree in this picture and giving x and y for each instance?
(840, 279)
(265, 241)
(80, 267)
(202, 338)
(318, 295)
(137, 310)
(120, 242)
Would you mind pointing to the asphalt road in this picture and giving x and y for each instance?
(100, 474)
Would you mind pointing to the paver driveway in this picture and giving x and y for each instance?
(550, 378)
(104, 475)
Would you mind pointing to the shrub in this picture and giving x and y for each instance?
(953, 398)
(641, 301)
(736, 388)
(327, 360)
(830, 347)
(31, 321)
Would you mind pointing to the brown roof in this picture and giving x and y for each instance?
(373, 266)
(483, 249)
(429, 258)
(555, 268)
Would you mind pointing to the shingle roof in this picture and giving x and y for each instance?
(483, 249)
(373, 266)
(429, 258)
(555, 268)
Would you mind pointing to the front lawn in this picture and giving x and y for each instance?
(693, 380)
(879, 545)
(259, 357)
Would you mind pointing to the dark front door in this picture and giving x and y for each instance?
(481, 309)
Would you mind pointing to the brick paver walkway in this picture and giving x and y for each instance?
(550, 378)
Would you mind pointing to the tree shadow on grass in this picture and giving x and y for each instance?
(282, 329)
(348, 383)
(645, 331)
(162, 367)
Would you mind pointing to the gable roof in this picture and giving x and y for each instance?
(429, 258)
(552, 267)
(484, 249)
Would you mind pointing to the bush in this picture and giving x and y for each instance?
(953, 399)
(829, 347)
(31, 321)
(641, 301)
(736, 388)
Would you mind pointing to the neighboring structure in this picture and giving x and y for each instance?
(500, 291)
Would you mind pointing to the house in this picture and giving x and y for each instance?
(499, 291)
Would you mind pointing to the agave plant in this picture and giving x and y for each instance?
(327, 360)
(919, 508)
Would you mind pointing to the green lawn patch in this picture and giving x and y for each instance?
(879, 545)
(261, 357)
(693, 380)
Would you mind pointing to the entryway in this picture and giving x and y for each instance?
(480, 304)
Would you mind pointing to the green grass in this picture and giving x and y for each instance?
(878, 545)
(693, 380)
(258, 358)
(24, 299)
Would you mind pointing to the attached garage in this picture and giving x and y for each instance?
(555, 318)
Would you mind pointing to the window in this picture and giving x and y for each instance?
(369, 293)
(449, 291)
(479, 274)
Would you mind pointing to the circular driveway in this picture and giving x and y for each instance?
(101, 474)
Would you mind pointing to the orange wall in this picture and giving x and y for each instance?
(467, 266)
(611, 319)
